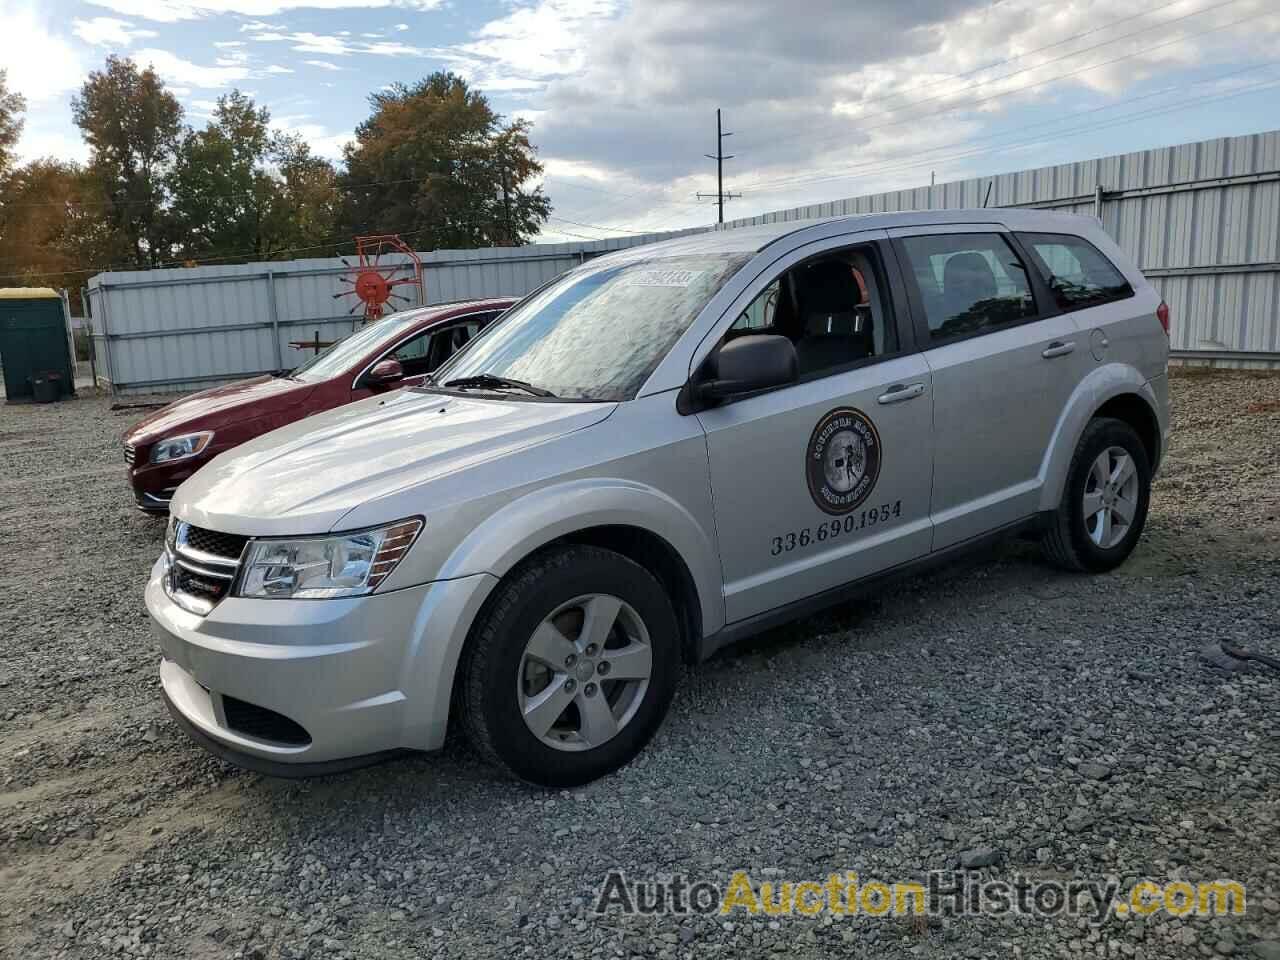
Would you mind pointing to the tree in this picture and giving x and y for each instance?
(242, 191)
(216, 183)
(307, 202)
(51, 225)
(132, 125)
(12, 107)
(435, 163)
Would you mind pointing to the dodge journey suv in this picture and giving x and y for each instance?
(653, 455)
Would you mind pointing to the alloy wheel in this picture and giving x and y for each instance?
(1110, 497)
(584, 672)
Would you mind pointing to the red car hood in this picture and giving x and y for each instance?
(221, 407)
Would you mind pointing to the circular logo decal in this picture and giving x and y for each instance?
(842, 461)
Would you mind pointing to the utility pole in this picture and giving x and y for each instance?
(719, 157)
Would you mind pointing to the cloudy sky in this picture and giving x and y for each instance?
(826, 98)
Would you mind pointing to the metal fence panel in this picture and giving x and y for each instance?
(1202, 220)
(190, 328)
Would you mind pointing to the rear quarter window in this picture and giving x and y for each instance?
(969, 283)
(1078, 274)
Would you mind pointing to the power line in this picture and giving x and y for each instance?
(1031, 86)
(996, 96)
(595, 226)
(928, 159)
(1063, 133)
(1066, 56)
(719, 157)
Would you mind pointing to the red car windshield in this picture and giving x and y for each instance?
(347, 352)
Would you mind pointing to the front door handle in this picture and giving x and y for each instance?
(901, 391)
(1059, 348)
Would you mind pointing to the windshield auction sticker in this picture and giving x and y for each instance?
(661, 278)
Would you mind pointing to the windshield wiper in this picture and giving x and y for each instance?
(489, 380)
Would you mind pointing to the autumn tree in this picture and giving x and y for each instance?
(12, 107)
(132, 125)
(306, 202)
(436, 164)
(51, 225)
(243, 191)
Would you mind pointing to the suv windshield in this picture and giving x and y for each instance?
(340, 357)
(598, 332)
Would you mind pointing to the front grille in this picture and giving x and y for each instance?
(130, 454)
(202, 566)
(260, 723)
(229, 545)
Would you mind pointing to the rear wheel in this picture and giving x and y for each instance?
(1104, 504)
(571, 668)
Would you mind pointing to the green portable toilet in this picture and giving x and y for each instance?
(34, 348)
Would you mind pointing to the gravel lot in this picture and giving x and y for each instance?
(1060, 726)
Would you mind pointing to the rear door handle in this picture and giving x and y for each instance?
(1059, 348)
(901, 391)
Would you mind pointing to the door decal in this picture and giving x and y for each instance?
(842, 461)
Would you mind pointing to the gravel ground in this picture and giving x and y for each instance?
(1054, 725)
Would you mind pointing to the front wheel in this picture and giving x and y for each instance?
(571, 667)
(1104, 504)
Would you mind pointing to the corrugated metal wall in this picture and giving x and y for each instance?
(1202, 220)
(161, 331)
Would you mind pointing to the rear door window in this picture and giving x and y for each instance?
(969, 283)
(1076, 272)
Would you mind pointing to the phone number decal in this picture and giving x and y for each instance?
(851, 523)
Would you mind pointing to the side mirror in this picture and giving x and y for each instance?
(745, 365)
(384, 373)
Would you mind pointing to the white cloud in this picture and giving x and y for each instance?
(175, 69)
(276, 68)
(172, 11)
(39, 141)
(624, 99)
(322, 142)
(228, 44)
(402, 26)
(41, 64)
(534, 43)
(318, 43)
(339, 44)
(108, 32)
(322, 64)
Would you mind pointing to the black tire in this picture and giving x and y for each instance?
(1067, 543)
(490, 664)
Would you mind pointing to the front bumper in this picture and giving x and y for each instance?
(153, 484)
(349, 680)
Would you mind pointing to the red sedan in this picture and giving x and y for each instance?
(396, 351)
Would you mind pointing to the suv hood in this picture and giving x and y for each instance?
(304, 477)
(220, 407)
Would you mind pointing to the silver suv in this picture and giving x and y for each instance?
(657, 453)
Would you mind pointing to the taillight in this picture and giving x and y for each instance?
(1162, 314)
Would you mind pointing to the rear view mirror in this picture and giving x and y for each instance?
(384, 373)
(745, 365)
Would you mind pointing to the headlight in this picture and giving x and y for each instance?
(180, 448)
(315, 568)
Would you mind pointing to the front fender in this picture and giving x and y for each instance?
(549, 513)
(1101, 385)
